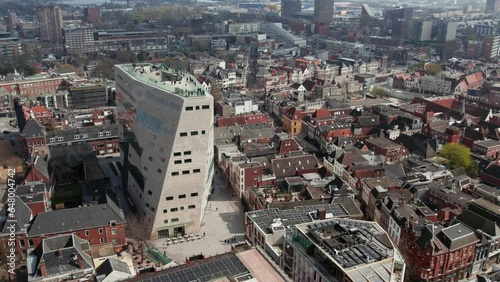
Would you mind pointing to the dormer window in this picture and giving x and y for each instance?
(60, 138)
(100, 134)
(76, 137)
(108, 133)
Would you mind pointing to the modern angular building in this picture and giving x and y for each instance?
(167, 146)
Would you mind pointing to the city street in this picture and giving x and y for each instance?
(223, 220)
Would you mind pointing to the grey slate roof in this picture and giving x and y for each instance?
(60, 255)
(110, 265)
(457, 236)
(65, 220)
(82, 134)
(22, 214)
(32, 129)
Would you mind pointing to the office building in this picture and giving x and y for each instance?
(341, 250)
(447, 31)
(88, 96)
(92, 14)
(421, 30)
(50, 22)
(131, 40)
(290, 7)
(492, 6)
(10, 46)
(167, 128)
(323, 11)
(79, 40)
(399, 21)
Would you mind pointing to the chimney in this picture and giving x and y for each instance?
(321, 213)
(43, 270)
(79, 259)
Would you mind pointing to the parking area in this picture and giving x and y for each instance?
(222, 224)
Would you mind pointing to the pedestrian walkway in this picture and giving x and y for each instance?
(223, 221)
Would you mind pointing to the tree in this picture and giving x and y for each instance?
(433, 69)
(379, 91)
(138, 229)
(457, 155)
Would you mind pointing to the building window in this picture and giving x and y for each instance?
(183, 196)
(159, 170)
(60, 138)
(191, 207)
(175, 173)
(114, 231)
(181, 208)
(87, 233)
(196, 170)
(187, 161)
(76, 137)
(30, 243)
(100, 230)
(173, 209)
(165, 210)
(184, 134)
(178, 162)
(184, 172)
(205, 107)
(193, 133)
(150, 158)
(187, 153)
(194, 194)
(175, 220)
(162, 159)
(100, 134)
(189, 108)
(165, 221)
(177, 154)
(203, 132)
(170, 198)
(149, 192)
(101, 240)
(197, 107)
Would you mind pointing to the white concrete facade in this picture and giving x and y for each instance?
(167, 121)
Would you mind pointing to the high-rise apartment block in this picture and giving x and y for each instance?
(79, 40)
(421, 30)
(399, 21)
(167, 146)
(492, 6)
(290, 7)
(50, 22)
(491, 47)
(11, 22)
(447, 31)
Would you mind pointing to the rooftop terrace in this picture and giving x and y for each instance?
(362, 249)
(167, 79)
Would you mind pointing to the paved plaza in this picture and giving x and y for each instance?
(223, 221)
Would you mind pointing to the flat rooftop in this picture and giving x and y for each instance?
(361, 248)
(167, 79)
(299, 215)
(258, 266)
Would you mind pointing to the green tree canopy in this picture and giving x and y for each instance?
(458, 155)
(378, 91)
(433, 69)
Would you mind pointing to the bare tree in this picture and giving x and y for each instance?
(138, 229)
